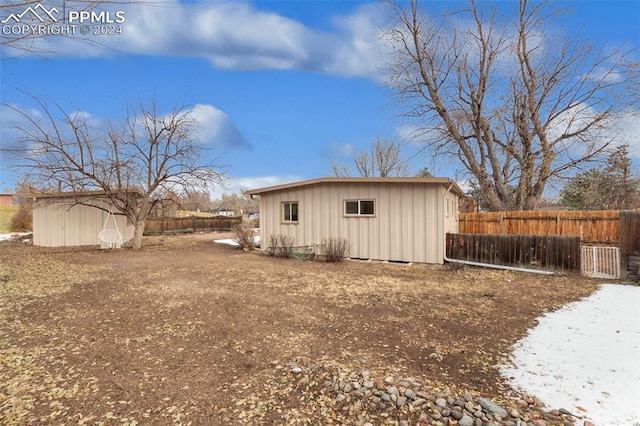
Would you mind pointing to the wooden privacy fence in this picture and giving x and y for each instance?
(630, 244)
(553, 253)
(592, 227)
(597, 230)
(182, 224)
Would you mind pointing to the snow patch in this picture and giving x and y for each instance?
(232, 242)
(5, 237)
(585, 357)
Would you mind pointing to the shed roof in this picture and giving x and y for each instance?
(338, 180)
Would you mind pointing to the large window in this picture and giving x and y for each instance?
(359, 207)
(290, 211)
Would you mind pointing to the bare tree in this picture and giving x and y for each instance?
(382, 160)
(196, 201)
(135, 165)
(513, 101)
(238, 202)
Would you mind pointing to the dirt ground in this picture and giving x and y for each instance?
(186, 331)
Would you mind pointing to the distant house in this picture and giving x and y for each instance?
(74, 219)
(223, 212)
(394, 219)
(6, 199)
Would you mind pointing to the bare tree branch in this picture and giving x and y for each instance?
(516, 104)
(135, 165)
(383, 160)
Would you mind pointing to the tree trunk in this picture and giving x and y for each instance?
(136, 242)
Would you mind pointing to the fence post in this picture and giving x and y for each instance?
(624, 246)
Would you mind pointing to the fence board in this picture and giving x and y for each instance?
(181, 224)
(546, 252)
(630, 244)
(593, 227)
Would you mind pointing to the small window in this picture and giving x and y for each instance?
(359, 207)
(447, 206)
(290, 211)
(351, 207)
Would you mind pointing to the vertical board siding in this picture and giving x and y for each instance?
(62, 223)
(526, 251)
(406, 225)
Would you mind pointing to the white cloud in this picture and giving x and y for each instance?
(620, 128)
(216, 128)
(603, 75)
(338, 150)
(237, 36)
(360, 51)
(628, 125)
(418, 136)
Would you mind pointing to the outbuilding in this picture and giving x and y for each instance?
(7, 199)
(393, 219)
(67, 219)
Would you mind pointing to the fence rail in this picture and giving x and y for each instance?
(593, 227)
(182, 224)
(556, 253)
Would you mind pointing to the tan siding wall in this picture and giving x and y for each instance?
(57, 223)
(408, 225)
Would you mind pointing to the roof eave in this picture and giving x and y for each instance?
(435, 180)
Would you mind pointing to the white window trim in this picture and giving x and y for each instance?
(282, 218)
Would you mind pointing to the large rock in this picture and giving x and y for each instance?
(492, 407)
(466, 421)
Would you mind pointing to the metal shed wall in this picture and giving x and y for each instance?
(62, 223)
(409, 224)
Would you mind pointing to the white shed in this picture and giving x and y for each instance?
(74, 219)
(395, 219)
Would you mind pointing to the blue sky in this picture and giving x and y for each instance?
(282, 88)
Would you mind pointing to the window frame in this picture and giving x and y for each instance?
(360, 209)
(283, 218)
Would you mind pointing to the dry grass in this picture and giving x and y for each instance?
(187, 331)
(28, 376)
(6, 215)
(40, 276)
